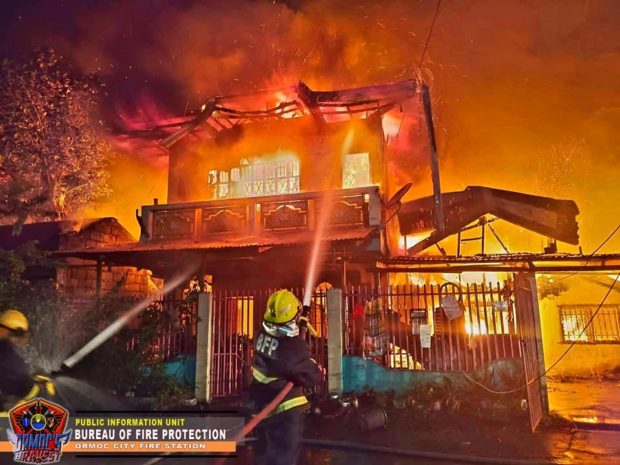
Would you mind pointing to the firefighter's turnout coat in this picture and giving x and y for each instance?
(278, 360)
(15, 380)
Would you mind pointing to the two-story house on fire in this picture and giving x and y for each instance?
(250, 177)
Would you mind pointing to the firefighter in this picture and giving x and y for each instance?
(281, 356)
(15, 379)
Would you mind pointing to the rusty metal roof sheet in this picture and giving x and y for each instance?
(499, 258)
(535, 262)
(223, 242)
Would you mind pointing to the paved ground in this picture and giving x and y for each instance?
(592, 400)
(577, 447)
(570, 448)
(453, 432)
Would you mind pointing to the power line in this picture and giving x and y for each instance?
(430, 32)
(611, 287)
(589, 257)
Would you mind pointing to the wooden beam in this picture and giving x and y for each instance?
(426, 103)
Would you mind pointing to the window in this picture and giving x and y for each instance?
(222, 191)
(256, 179)
(605, 326)
(356, 170)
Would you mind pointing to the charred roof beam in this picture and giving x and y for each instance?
(205, 114)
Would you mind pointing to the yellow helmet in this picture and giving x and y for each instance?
(14, 320)
(282, 307)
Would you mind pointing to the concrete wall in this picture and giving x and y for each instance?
(584, 359)
(182, 369)
(361, 374)
(79, 278)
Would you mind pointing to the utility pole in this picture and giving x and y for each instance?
(426, 103)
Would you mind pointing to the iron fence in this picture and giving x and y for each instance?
(386, 325)
(590, 324)
(176, 331)
(237, 316)
(389, 325)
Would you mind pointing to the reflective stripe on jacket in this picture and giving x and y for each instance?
(278, 361)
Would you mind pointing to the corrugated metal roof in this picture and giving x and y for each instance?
(266, 240)
(47, 234)
(499, 258)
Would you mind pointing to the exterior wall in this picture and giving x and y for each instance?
(584, 359)
(361, 374)
(79, 278)
(317, 147)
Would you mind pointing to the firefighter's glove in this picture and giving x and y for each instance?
(46, 383)
(305, 321)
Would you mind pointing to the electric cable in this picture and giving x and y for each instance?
(511, 391)
(498, 239)
(589, 257)
(609, 290)
(430, 32)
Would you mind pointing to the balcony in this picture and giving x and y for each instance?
(255, 216)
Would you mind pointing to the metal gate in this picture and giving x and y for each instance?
(528, 322)
(237, 317)
(483, 333)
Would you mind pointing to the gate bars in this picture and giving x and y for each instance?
(485, 332)
(237, 317)
(382, 324)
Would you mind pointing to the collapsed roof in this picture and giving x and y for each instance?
(544, 215)
(225, 112)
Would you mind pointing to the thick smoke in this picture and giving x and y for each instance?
(514, 83)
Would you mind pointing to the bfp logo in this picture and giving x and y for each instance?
(38, 431)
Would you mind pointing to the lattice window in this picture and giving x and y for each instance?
(270, 180)
(222, 188)
(219, 184)
(287, 172)
(256, 179)
(356, 170)
(605, 325)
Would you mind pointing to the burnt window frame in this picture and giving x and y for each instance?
(607, 319)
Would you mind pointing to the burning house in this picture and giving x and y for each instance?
(248, 177)
(251, 179)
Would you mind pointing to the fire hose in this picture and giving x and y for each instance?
(43, 384)
(304, 326)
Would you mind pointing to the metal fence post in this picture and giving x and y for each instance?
(334, 341)
(204, 347)
(539, 341)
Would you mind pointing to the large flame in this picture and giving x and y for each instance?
(512, 82)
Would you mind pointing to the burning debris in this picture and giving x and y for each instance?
(550, 217)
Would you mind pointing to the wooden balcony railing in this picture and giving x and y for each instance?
(359, 207)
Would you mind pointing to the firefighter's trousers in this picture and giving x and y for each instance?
(278, 438)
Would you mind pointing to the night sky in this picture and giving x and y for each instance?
(513, 81)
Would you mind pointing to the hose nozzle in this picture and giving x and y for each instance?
(304, 320)
(64, 368)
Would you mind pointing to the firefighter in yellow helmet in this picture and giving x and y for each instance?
(281, 356)
(15, 379)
